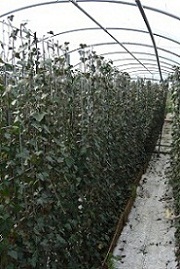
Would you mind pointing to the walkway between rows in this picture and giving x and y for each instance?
(147, 241)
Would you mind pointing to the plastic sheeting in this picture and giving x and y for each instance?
(114, 29)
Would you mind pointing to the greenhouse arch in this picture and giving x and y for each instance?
(89, 101)
(107, 29)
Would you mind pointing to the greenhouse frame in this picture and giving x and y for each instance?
(89, 116)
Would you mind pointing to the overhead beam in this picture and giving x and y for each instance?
(150, 67)
(141, 53)
(142, 59)
(154, 70)
(82, 1)
(111, 29)
(138, 2)
(147, 63)
(107, 32)
(126, 43)
(103, 1)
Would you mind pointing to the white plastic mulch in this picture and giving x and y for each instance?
(147, 241)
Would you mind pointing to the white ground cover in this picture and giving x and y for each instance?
(147, 241)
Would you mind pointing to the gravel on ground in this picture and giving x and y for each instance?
(147, 240)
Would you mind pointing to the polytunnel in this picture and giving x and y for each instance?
(139, 37)
(89, 134)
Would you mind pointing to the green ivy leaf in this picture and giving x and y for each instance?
(13, 254)
(7, 136)
(69, 162)
(39, 116)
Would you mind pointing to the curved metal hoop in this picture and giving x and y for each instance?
(81, 1)
(122, 44)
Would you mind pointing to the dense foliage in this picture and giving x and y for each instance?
(175, 153)
(71, 143)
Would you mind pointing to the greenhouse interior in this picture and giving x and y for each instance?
(89, 134)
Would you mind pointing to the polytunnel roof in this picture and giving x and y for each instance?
(115, 30)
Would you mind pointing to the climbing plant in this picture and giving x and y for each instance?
(71, 144)
(175, 153)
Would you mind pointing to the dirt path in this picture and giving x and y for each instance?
(147, 241)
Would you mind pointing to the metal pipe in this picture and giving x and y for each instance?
(82, 1)
(106, 31)
(142, 59)
(112, 28)
(154, 70)
(147, 63)
(153, 67)
(151, 35)
(140, 53)
(127, 43)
